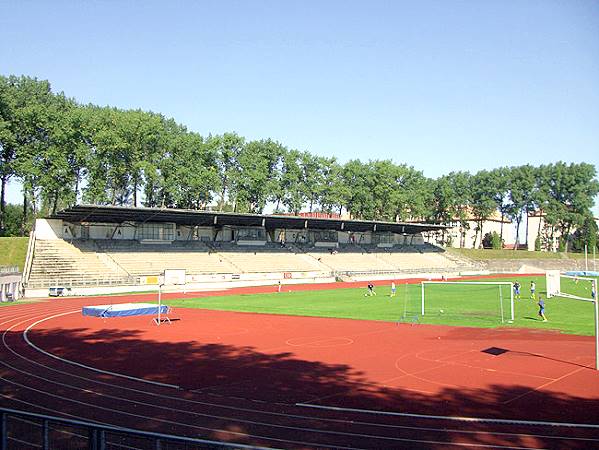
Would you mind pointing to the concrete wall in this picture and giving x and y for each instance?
(48, 229)
(9, 286)
(210, 283)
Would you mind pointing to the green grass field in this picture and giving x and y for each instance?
(457, 305)
(13, 251)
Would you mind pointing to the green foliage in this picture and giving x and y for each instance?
(538, 246)
(492, 240)
(585, 235)
(63, 152)
(13, 221)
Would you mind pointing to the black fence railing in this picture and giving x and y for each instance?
(19, 429)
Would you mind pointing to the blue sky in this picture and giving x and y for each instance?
(440, 85)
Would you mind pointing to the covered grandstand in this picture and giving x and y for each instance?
(100, 249)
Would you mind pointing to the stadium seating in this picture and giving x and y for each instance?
(85, 262)
(268, 258)
(59, 263)
(152, 259)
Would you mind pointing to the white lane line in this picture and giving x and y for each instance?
(99, 423)
(290, 415)
(454, 418)
(64, 360)
(165, 421)
(543, 385)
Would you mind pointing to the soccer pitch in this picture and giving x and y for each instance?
(459, 305)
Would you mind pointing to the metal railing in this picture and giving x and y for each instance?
(84, 282)
(20, 429)
(350, 273)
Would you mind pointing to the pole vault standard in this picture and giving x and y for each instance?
(477, 283)
(158, 320)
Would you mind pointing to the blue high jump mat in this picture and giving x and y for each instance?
(124, 310)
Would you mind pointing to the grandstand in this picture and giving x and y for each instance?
(92, 246)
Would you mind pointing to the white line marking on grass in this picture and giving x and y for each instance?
(454, 418)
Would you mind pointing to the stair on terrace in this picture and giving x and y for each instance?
(60, 263)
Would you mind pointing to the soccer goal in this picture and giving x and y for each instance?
(573, 287)
(170, 277)
(489, 301)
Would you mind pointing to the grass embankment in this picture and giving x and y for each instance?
(13, 251)
(458, 305)
(485, 254)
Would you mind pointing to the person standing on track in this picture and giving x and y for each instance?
(542, 309)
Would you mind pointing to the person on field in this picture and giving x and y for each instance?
(393, 289)
(533, 288)
(517, 290)
(542, 309)
(370, 290)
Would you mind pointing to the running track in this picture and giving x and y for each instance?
(291, 382)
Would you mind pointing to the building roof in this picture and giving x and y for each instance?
(122, 214)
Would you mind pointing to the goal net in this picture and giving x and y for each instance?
(484, 302)
(570, 286)
(579, 288)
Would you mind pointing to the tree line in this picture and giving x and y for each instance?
(63, 153)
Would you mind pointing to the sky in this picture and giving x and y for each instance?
(439, 85)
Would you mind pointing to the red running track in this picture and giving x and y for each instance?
(295, 382)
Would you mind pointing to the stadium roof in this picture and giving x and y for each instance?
(121, 214)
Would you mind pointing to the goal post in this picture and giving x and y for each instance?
(575, 287)
(489, 293)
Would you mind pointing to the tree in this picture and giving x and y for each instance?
(451, 201)
(569, 192)
(312, 178)
(332, 190)
(292, 188)
(227, 147)
(484, 191)
(24, 108)
(585, 235)
(256, 178)
(358, 180)
(520, 196)
(501, 182)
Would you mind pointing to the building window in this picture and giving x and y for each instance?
(157, 231)
(250, 234)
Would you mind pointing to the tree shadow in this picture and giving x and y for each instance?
(216, 380)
